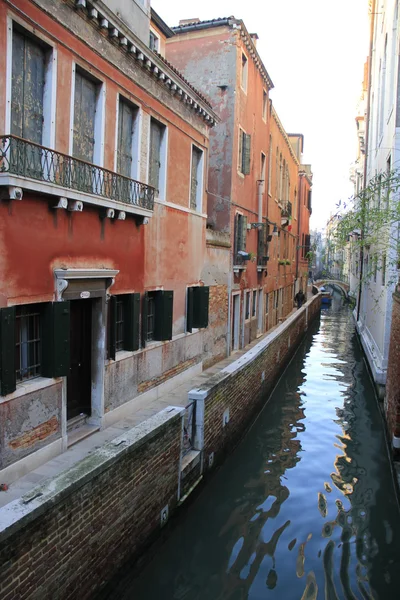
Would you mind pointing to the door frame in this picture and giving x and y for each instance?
(81, 277)
(236, 320)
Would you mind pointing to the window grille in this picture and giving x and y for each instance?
(119, 324)
(150, 317)
(27, 346)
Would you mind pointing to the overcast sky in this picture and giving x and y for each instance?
(314, 51)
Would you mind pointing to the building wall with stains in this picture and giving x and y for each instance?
(162, 251)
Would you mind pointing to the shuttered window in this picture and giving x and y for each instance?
(34, 340)
(244, 152)
(240, 235)
(196, 179)
(156, 158)
(127, 115)
(86, 92)
(27, 88)
(262, 249)
(198, 299)
(157, 316)
(123, 323)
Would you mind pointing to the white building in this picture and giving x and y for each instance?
(382, 148)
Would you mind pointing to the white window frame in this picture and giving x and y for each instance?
(253, 314)
(156, 35)
(247, 319)
(200, 179)
(50, 84)
(136, 137)
(99, 119)
(162, 192)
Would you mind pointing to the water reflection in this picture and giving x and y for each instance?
(305, 507)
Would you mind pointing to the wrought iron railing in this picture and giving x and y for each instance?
(189, 425)
(239, 260)
(27, 159)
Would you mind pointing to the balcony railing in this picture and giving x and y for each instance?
(287, 209)
(25, 159)
(262, 261)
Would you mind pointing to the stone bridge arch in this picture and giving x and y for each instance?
(344, 287)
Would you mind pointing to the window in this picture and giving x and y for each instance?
(266, 303)
(154, 42)
(244, 152)
(27, 342)
(262, 250)
(123, 325)
(244, 74)
(264, 105)
(157, 316)
(262, 174)
(247, 308)
(269, 164)
(127, 139)
(157, 157)
(197, 307)
(196, 179)
(254, 304)
(87, 119)
(240, 237)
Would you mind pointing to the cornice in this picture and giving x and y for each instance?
(165, 74)
(285, 136)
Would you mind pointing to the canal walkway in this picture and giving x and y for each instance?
(304, 508)
(139, 413)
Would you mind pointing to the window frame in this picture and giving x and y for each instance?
(50, 83)
(136, 136)
(247, 305)
(200, 179)
(264, 104)
(243, 152)
(161, 193)
(244, 71)
(155, 35)
(254, 304)
(99, 118)
(28, 308)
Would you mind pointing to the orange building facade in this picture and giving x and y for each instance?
(253, 179)
(103, 161)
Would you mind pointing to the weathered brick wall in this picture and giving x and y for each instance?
(215, 346)
(392, 399)
(240, 389)
(29, 422)
(67, 542)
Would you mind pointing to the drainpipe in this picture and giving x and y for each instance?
(371, 39)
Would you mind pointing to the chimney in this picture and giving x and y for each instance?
(254, 38)
(184, 22)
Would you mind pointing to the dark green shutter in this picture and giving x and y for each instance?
(189, 310)
(112, 328)
(144, 318)
(244, 233)
(8, 381)
(56, 339)
(165, 316)
(131, 321)
(246, 153)
(201, 297)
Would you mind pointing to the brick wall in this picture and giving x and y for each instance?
(241, 387)
(392, 399)
(88, 521)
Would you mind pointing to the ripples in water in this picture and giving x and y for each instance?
(305, 508)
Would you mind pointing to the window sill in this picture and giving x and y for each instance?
(240, 174)
(29, 386)
(238, 268)
(181, 208)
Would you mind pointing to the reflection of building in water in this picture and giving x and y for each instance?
(266, 494)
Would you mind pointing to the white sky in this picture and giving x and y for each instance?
(314, 52)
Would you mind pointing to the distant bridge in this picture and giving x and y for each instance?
(334, 282)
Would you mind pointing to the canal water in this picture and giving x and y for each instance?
(305, 507)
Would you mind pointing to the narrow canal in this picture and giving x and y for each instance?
(305, 507)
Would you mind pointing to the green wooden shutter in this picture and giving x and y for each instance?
(201, 297)
(155, 154)
(166, 314)
(125, 129)
(246, 153)
(131, 321)
(84, 115)
(8, 381)
(189, 310)
(144, 318)
(55, 333)
(112, 307)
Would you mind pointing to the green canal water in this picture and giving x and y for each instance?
(306, 505)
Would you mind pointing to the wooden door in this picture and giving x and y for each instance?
(79, 380)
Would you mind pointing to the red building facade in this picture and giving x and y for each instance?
(103, 156)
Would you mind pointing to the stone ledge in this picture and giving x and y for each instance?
(20, 512)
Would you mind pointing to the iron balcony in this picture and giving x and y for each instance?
(31, 166)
